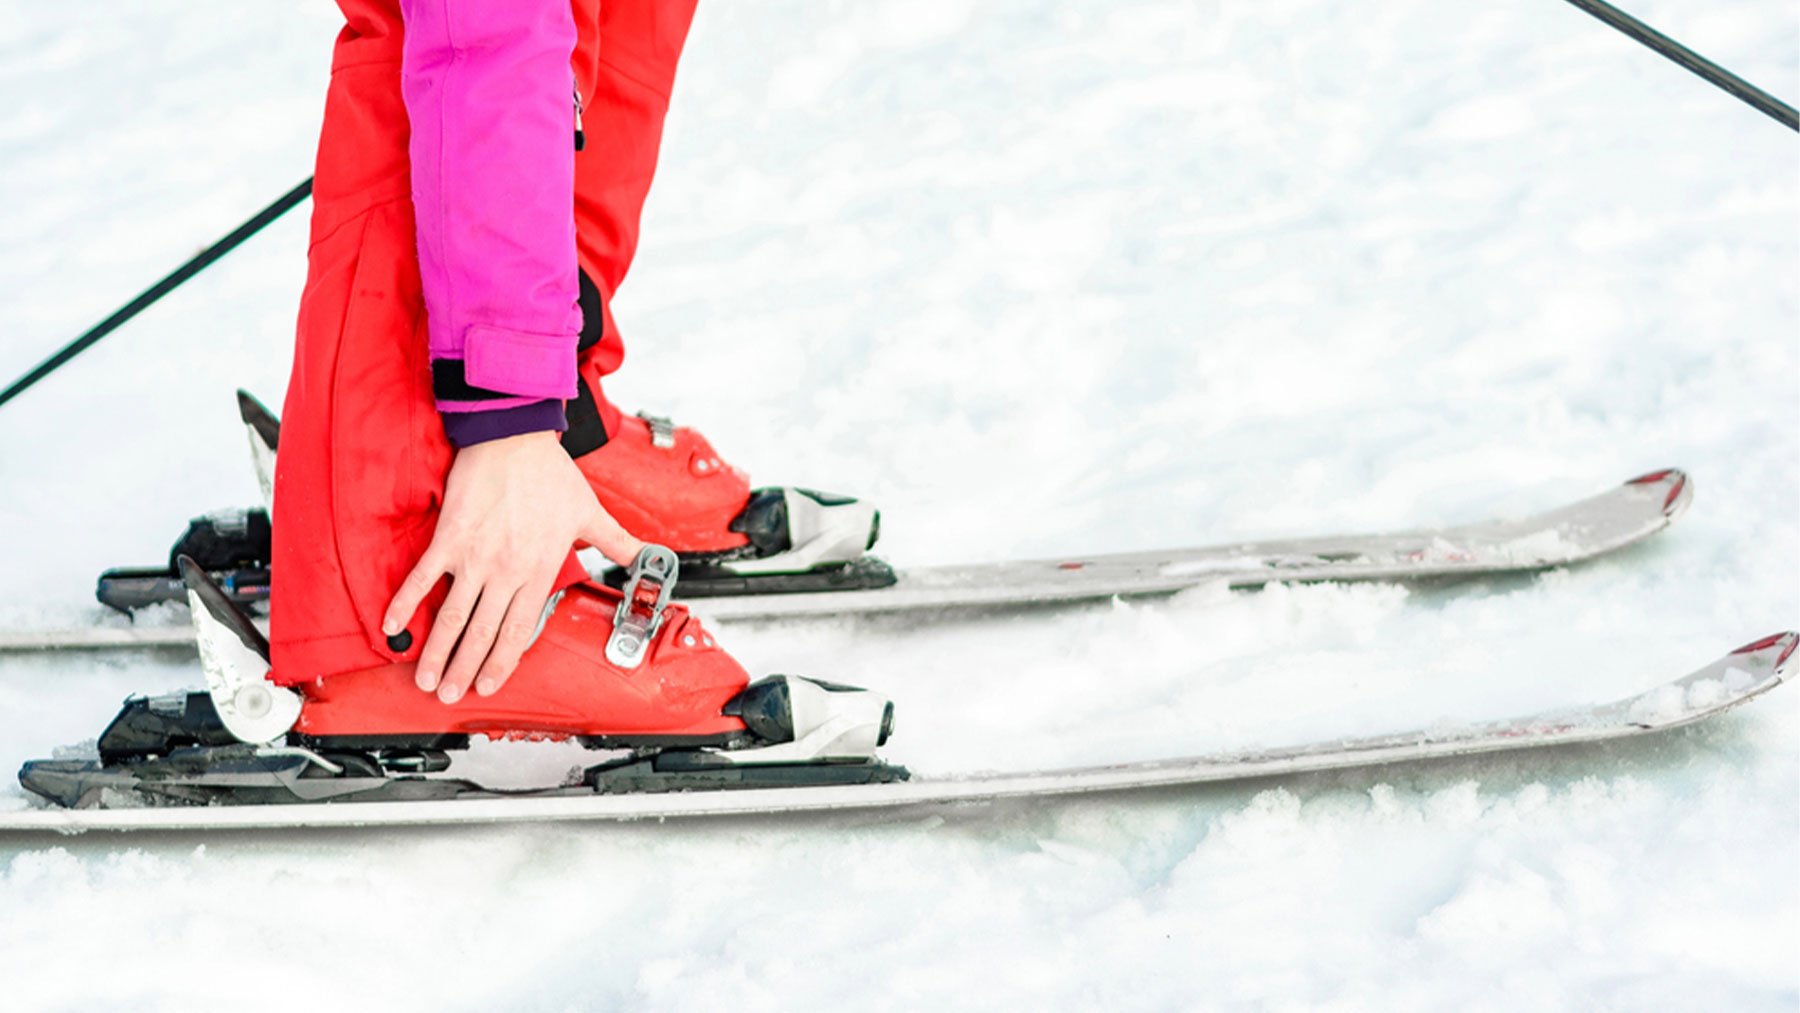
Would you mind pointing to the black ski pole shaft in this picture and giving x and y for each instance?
(1700, 65)
(157, 291)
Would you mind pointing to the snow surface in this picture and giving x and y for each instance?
(1034, 276)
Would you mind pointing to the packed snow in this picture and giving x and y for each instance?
(1037, 278)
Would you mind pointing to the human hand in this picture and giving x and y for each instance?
(513, 508)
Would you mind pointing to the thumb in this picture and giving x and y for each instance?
(610, 537)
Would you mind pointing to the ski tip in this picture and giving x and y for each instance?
(1680, 489)
(1779, 646)
(205, 594)
(1744, 674)
(259, 418)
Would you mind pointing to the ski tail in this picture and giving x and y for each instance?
(265, 433)
(264, 427)
(214, 612)
(235, 657)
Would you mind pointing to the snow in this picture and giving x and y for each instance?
(1543, 545)
(1675, 701)
(1037, 278)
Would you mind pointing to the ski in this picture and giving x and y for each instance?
(1732, 680)
(1578, 531)
(1574, 532)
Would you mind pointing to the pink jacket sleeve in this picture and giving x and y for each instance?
(490, 96)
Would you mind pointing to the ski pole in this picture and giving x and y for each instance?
(1700, 65)
(160, 289)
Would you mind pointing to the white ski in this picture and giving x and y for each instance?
(1591, 527)
(1739, 676)
(1582, 530)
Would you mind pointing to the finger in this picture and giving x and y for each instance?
(516, 631)
(465, 590)
(477, 639)
(610, 537)
(424, 576)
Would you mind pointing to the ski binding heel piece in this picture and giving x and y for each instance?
(647, 590)
(235, 657)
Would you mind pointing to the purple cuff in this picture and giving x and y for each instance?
(465, 429)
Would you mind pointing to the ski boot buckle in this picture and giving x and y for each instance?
(662, 431)
(647, 590)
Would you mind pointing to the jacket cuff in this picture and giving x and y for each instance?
(519, 362)
(467, 428)
(504, 367)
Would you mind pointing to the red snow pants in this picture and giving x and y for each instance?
(363, 457)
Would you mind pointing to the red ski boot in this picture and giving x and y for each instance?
(613, 669)
(667, 485)
(564, 686)
(620, 667)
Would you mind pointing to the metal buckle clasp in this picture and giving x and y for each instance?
(640, 612)
(662, 431)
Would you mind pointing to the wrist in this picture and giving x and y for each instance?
(467, 429)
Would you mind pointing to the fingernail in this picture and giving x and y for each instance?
(486, 687)
(426, 679)
(389, 627)
(449, 693)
